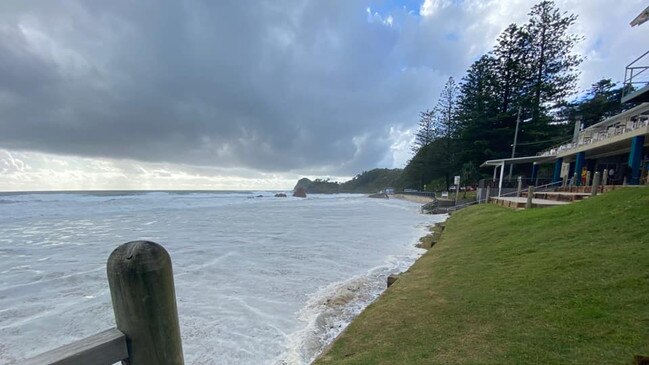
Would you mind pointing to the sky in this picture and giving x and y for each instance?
(246, 94)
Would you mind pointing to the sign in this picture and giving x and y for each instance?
(457, 181)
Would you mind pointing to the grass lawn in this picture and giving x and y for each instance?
(562, 285)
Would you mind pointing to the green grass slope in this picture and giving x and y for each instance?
(563, 285)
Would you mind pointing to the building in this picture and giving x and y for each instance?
(615, 147)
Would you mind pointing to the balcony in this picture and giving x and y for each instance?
(609, 132)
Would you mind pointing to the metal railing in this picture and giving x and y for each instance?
(537, 188)
(596, 134)
(513, 183)
(518, 190)
(631, 73)
(429, 194)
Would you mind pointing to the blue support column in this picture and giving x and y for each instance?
(635, 155)
(556, 176)
(580, 161)
(535, 171)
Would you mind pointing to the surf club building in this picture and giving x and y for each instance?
(617, 147)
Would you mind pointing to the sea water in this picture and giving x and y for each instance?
(259, 279)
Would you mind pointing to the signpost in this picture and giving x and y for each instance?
(457, 187)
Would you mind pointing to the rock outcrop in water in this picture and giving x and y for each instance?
(299, 192)
(280, 195)
(380, 196)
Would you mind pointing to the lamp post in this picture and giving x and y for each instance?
(518, 121)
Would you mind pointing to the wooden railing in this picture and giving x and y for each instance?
(107, 347)
(142, 290)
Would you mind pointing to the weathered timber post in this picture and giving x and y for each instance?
(588, 178)
(488, 195)
(574, 181)
(604, 177)
(595, 187)
(144, 300)
(530, 196)
(520, 187)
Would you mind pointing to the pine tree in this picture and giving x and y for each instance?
(553, 65)
(426, 132)
(510, 54)
(532, 67)
(478, 107)
(447, 128)
(447, 123)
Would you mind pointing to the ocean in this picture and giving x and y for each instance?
(259, 279)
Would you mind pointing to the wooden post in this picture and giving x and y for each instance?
(520, 187)
(144, 300)
(486, 200)
(595, 187)
(604, 177)
(530, 196)
(587, 178)
(574, 181)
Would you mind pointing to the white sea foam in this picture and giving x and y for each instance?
(258, 280)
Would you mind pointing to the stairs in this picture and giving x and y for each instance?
(520, 202)
(557, 196)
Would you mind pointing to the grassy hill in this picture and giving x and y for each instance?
(563, 285)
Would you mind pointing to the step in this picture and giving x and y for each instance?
(558, 196)
(520, 202)
(586, 189)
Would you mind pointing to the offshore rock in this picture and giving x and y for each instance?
(299, 192)
(380, 196)
(392, 279)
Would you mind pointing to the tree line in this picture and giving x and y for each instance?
(528, 75)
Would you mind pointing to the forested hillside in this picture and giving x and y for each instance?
(366, 182)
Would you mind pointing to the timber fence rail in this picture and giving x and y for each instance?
(142, 290)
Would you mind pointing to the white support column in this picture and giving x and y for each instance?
(500, 183)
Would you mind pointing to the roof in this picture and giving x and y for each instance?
(518, 160)
(643, 17)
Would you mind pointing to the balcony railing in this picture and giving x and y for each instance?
(636, 76)
(610, 128)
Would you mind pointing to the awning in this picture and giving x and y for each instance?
(519, 160)
(643, 17)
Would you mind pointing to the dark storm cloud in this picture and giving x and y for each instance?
(268, 85)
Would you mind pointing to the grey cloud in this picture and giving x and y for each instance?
(264, 85)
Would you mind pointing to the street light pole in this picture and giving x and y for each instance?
(518, 121)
